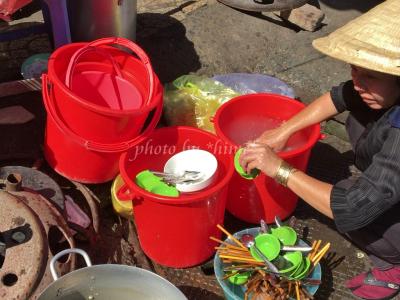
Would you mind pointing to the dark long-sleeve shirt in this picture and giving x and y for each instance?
(375, 136)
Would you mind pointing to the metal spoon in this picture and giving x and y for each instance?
(263, 226)
(278, 221)
(248, 241)
(297, 248)
(264, 229)
(185, 175)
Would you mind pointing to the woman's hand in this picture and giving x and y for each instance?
(275, 138)
(260, 156)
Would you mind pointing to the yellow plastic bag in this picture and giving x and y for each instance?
(192, 100)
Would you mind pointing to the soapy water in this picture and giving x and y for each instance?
(109, 293)
(248, 128)
(105, 293)
(107, 287)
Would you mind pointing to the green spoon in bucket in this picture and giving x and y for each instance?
(253, 173)
(154, 184)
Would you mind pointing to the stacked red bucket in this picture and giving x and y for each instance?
(98, 98)
(102, 102)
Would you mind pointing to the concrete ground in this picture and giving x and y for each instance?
(208, 38)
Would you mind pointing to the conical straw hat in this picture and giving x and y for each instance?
(371, 41)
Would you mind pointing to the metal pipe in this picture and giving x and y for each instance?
(13, 182)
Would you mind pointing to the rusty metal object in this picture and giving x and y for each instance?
(264, 5)
(92, 201)
(23, 264)
(13, 182)
(85, 198)
(33, 230)
(36, 180)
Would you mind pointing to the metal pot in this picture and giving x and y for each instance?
(78, 21)
(93, 19)
(108, 281)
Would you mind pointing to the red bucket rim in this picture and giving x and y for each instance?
(185, 197)
(88, 144)
(54, 79)
(315, 133)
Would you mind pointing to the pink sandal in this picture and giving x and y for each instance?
(376, 284)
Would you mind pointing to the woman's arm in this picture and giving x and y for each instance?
(315, 192)
(319, 110)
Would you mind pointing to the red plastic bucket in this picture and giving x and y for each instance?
(262, 198)
(176, 232)
(102, 88)
(78, 158)
(103, 94)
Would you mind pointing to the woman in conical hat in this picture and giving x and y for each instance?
(366, 209)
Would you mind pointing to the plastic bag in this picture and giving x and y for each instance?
(192, 100)
(247, 83)
(8, 7)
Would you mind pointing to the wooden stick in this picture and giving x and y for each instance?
(317, 245)
(318, 257)
(231, 237)
(234, 252)
(312, 247)
(297, 291)
(230, 274)
(242, 265)
(300, 294)
(239, 266)
(315, 249)
(226, 243)
(240, 256)
(321, 253)
(228, 261)
(231, 249)
(242, 259)
(289, 288)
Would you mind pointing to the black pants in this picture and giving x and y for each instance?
(380, 240)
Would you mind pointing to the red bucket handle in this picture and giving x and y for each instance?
(135, 49)
(91, 145)
(78, 54)
(124, 193)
